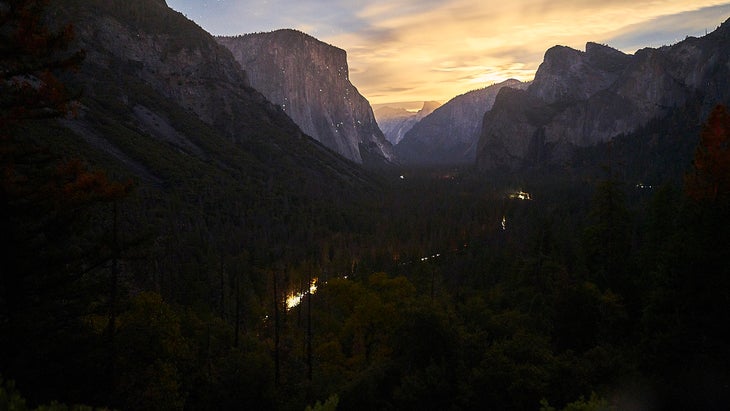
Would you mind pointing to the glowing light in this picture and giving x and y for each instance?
(313, 287)
(294, 299)
(520, 195)
(504, 223)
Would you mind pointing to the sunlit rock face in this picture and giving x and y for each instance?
(449, 135)
(309, 80)
(571, 75)
(396, 122)
(580, 99)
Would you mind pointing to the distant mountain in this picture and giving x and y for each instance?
(449, 135)
(395, 122)
(580, 99)
(309, 79)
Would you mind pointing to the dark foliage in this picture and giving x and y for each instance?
(435, 291)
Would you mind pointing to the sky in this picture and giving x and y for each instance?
(418, 50)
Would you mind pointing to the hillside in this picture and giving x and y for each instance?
(174, 109)
(224, 187)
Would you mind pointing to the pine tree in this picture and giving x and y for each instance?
(709, 180)
(46, 205)
(607, 239)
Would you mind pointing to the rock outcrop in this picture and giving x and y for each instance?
(166, 51)
(156, 87)
(396, 122)
(580, 99)
(449, 135)
(309, 79)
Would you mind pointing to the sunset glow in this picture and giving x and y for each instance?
(408, 50)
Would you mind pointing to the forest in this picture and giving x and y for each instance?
(421, 289)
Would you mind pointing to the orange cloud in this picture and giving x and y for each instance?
(437, 50)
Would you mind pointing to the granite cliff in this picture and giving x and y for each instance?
(169, 82)
(580, 99)
(163, 102)
(450, 134)
(309, 79)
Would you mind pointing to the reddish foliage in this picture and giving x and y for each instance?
(29, 55)
(709, 181)
(76, 185)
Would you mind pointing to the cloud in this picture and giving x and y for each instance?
(450, 47)
(401, 50)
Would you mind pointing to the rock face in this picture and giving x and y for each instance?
(309, 79)
(164, 50)
(449, 135)
(155, 76)
(395, 122)
(580, 99)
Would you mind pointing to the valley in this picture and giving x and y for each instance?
(177, 238)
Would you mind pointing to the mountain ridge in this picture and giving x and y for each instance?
(449, 135)
(583, 98)
(165, 103)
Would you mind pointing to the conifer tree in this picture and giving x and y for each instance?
(46, 202)
(709, 180)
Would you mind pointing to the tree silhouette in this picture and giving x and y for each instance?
(47, 204)
(607, 238)
(709, 180)
(30, 57)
